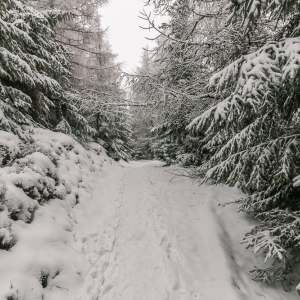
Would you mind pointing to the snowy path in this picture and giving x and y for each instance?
(145, 256)
(164, 240)
(124, 232)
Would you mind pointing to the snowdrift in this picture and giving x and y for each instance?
(45, 176)
(75, 225)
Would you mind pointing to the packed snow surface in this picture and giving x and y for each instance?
(135, 233)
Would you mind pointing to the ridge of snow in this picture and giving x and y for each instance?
(38, 195)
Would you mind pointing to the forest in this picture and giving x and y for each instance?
(217, 97)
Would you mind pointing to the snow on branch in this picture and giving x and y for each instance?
(277, 230)
(230, 165)
(252, 10)
(253, 81)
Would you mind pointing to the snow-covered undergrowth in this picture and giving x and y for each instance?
(43, 177)
(75, 225)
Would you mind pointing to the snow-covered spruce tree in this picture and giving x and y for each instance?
(110, 119)
(160, 82)
(101, 98)
(115, 132)
(192, 45)
(143, 114)
(106, 113)
(96, 77)
(34, 70)
(252, 135)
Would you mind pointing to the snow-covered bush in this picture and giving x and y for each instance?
(187, 159)
(36, 178)
(114, 133)
(45, 185)
(6, 237)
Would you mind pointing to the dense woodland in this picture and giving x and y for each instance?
(58, 72)
(224, 81)
(219, 93)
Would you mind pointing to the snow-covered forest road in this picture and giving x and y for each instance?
(170, 239)
(216, 88)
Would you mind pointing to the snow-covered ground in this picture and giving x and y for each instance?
(120, 231)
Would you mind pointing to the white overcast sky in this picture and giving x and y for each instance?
(124, 34)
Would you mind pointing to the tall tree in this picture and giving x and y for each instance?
(35, 70)
(192, 44)
(143, 115)
(252, 135)
(96, 77)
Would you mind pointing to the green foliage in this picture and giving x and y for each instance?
(277, 231)
(142, 120)
(114, 133)
(34, 69)
(252, 135)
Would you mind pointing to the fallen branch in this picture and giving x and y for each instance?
(189, 173)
